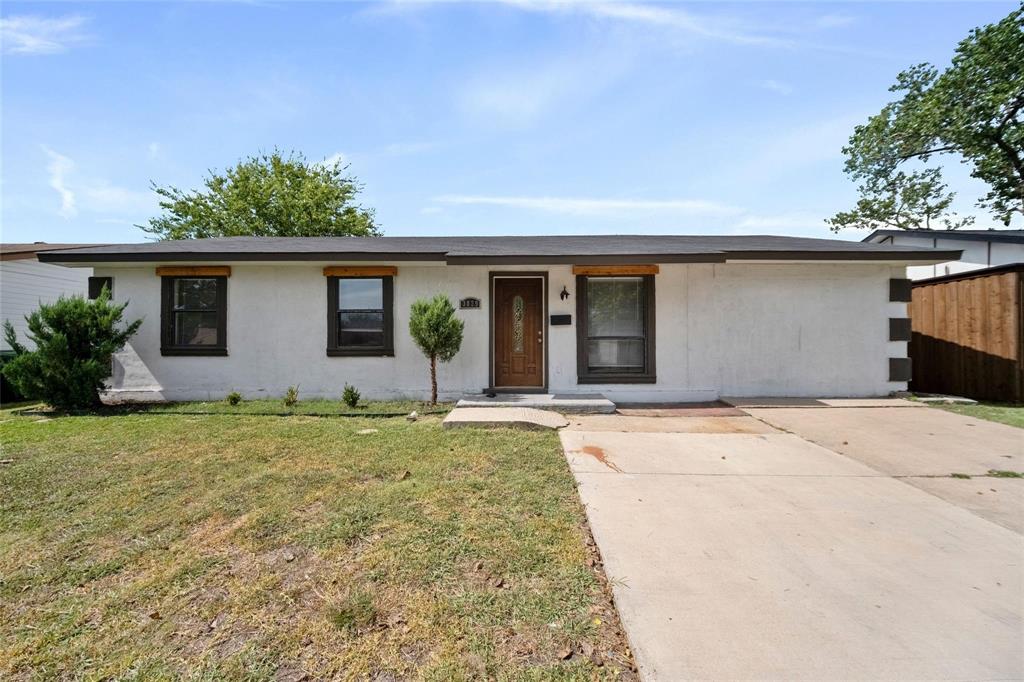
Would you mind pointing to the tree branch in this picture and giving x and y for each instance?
(928, 152)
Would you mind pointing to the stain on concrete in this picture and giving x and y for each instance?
(600, 455)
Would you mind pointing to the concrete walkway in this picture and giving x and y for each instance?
(514, 417)
(740, 551)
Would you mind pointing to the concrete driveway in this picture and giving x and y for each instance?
(740, 551)
(923, 446)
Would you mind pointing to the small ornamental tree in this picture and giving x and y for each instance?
(437, 332)
(75, 339)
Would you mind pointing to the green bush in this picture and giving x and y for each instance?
(75, 339)
(350, 396)
(234, 398)
(291, 396)
(7, 392)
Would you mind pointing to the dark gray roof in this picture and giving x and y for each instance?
(471, 250)
(1009, 236)
(25, 251)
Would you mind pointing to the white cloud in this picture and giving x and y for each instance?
(593, 206)
(520, 95)
(103, 197)
(805, 145)
(407, 148)
(834, 21)
(33, 34)
(708, 26)
(96, 195)
(785, 223)
(58, 168)
(154, 149)
(714, 217)
(512, 99)
(335, 159)
(777, 86)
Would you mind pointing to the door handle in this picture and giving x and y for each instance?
(540, 336)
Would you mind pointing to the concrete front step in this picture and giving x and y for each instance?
(515, 417)
(583, 403)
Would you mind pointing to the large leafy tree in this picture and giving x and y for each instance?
(974, 110)
(269, 195)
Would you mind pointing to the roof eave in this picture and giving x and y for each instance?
(68, 257)
(588, 259)
(923, 256)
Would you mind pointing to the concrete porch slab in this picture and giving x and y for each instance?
(581, 403)
(514, 417)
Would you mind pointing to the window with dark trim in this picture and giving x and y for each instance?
(194, 315)
(615, 329)
(96, 285)
(360, 315)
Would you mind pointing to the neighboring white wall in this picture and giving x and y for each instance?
(730, 329)
(25, 283)
(977, 254)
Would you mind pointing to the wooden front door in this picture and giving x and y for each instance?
(518, 332)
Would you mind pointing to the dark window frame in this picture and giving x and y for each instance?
(334, 349)
(96, 284)
(167, 345)
(584, 375)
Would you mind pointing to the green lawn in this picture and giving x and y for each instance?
(314, 407)
(1006, 413)
(169, 546)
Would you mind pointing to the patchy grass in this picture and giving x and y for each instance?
(966, 476)
(1004, 413)
(154, 546)
(1000, 473)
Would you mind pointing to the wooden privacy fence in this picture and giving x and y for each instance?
(968, 334)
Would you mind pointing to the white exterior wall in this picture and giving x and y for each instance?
(724, 329)
(977, 254)
(25, 283)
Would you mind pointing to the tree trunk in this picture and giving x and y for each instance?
(433, 380)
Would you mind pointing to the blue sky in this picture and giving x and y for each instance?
(497, 118)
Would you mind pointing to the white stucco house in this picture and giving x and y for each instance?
(25, 282)
(981, 248)
(636, 318)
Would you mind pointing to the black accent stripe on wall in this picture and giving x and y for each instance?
(899, 290)
(899, 329)
(899, 369)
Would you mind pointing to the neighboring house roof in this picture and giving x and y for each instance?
(1010, 236)
(27, 251)
(971, 274)
(483, 250)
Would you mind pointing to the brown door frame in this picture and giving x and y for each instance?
(516, 274)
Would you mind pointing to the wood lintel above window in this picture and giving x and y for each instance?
(606, 270)
(360, 271)
(194, 271)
